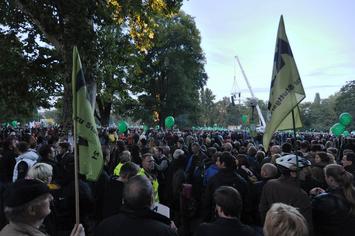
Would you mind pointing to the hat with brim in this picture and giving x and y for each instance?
(24, 191)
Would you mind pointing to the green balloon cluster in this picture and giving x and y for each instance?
(338, 129)
(14, 123)
(169, 122)
(345, 118)
(122, 126)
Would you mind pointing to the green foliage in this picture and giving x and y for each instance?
(29, 76)
(345, 101)
(172, 72)
(318, 115)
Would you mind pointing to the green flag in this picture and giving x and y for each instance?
(286, 90)
(88, 144)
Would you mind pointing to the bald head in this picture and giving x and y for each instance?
(268, 171)
(276, 149)
(138, 192)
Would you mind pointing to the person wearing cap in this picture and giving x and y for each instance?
(286, 189)
(26, 205)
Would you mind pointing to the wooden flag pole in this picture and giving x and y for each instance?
(76, 177)
(75, 139)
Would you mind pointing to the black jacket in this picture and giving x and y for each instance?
(331, 215)
(224, 227)
(131, 222)
(112, 200)
(224, 177)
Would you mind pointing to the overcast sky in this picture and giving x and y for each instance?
(321, 34)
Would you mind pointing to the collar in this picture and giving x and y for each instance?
(26, 229)
(144, 213)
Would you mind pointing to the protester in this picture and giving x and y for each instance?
(27, 158)
(286, 188)
(148, 171)
(26, 206)
(8, 160)
(226, 176)
(136, 217)
(334, 210)
(284, 220)
(112, 200)
(229, 208)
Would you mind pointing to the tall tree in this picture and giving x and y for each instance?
(207, 106)
(65, 23)
(30, 77)
(172, 72)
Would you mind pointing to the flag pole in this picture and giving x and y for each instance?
(76, 177)
(75, 138)
(295, 143)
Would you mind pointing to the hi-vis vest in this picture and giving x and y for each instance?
(117, 170)
(154, 182)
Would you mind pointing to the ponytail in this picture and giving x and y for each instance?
(344, 179)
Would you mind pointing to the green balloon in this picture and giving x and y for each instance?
(345, 118)
(14, 123)
(346, 133)
(145, 128)
(169, 122)
(244, 119)
(337, 129)
(122, 126)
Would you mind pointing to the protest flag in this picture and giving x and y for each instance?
(286, 90)
(88, 147)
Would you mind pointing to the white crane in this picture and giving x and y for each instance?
(261, 117)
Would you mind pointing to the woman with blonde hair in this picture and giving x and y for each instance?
(284, 220)
(42, 172)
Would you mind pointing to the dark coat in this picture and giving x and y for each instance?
(224, 227)
(285, 190)
(135, 223)
(112, 200)
(331, 215)
(224, 177)
(7, 164)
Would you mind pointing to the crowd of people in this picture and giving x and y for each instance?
(213, 182)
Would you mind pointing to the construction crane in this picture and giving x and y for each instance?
(261, 117)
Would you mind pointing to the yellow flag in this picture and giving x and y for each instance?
(90, 153)
(286, 90)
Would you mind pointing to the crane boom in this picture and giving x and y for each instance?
(252, 93)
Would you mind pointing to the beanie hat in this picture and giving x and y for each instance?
(24, 191)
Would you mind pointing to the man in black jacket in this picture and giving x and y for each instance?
(228, 207)
(226, 176)
(136, 216)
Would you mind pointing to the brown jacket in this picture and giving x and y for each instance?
(285, 190)
(13, 229)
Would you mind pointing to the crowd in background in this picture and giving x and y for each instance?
(214, 182)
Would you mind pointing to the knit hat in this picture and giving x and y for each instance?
(24, 191)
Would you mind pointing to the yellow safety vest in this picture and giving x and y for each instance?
(154, 182)
(117, 169)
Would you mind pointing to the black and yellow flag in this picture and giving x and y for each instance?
(88, 144)
(286, 90)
